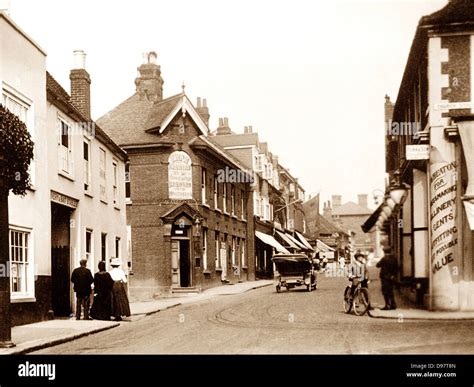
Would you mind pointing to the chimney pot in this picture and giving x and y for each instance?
(250, 129)
(221, 122)
(79, 60)
(198, 102)
(152, 55)
(204, 102)
(226, 122)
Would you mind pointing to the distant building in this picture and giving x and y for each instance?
(350, 217)
(277, 197)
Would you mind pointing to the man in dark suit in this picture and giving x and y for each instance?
(82, 279)
(388, 275)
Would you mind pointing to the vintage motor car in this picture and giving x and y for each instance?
(294, 270)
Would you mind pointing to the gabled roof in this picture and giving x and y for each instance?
(351, 208)
(327, 227)
(136, 119)
(208, 142)
(59, 97)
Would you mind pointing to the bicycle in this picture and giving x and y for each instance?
(359, 301)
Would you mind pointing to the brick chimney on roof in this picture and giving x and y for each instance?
(149, 83)
(223, 127)
(203, 110)
(336, 201)
(81, 84)
(327, 210)
(362, 199)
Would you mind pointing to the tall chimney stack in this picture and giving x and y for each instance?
(223, 126)
(203, 110)
(149, 83)
(81, 84)
(362, 199)
(327, 210)
(336, 201)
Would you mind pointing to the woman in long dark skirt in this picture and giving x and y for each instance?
(120, 304)
(102, 305)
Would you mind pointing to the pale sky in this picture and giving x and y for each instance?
(310, 76)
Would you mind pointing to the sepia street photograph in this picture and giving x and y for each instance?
(189, 178)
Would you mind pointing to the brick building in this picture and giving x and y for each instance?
(277, 197)
(190, 217)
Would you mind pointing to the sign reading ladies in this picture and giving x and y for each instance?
(180, 176)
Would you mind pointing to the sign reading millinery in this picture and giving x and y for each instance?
(57, 197)
(443, 176)
(180, 184)
(418, 152)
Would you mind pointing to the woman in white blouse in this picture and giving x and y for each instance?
(120, 304)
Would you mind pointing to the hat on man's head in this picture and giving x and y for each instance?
(359, 254)
(115, 262)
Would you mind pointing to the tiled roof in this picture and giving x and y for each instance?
(242, 139)
(327, 227)
(127, 123)
(54, 89)
(208, 142)
(351, 208)
(456, 11)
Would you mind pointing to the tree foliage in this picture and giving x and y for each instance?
(16, 152)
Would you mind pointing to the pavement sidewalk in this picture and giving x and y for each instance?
(32, 337)
(405, 309)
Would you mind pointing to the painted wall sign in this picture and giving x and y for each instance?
(180, 183)
(444, 237)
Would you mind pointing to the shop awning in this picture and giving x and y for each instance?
(323, 246)
(288, 241)
(304, 241)
(269, 240)
(297, 242)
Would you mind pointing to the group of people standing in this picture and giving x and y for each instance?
(110, 296)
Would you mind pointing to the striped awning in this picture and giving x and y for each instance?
(269, 240)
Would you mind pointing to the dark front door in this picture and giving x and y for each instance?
(60, 281)
(60, 260)
(184, 264)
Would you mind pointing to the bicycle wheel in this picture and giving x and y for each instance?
(361, 301)
(347, 299)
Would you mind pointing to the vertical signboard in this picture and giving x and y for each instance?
(444, 234)
(180, 183)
